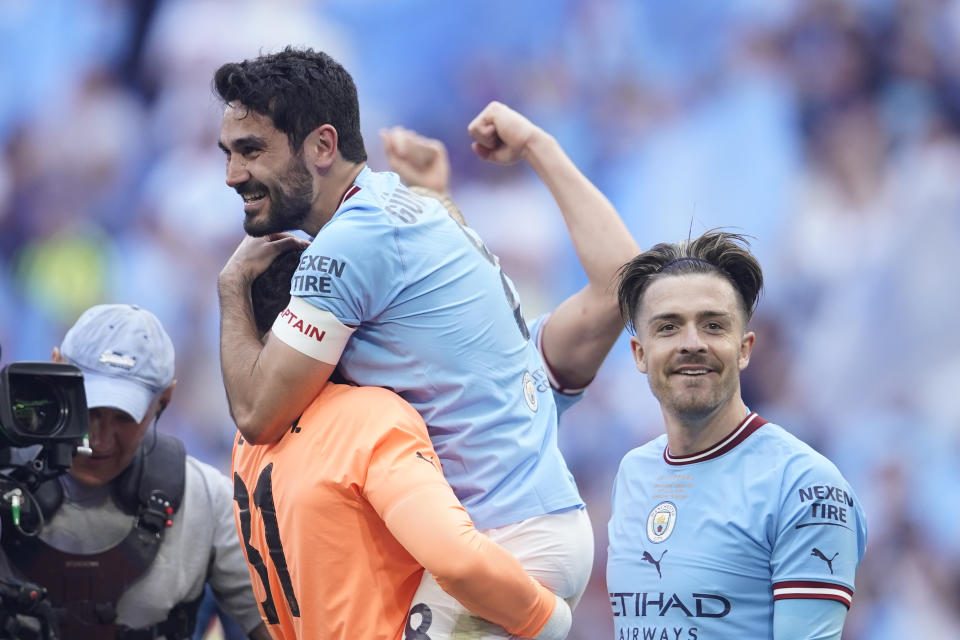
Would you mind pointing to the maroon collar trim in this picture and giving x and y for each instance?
(750, 424)
(352, 191)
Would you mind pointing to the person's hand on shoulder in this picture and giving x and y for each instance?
(254, 255)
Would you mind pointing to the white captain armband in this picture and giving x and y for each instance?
(311, 331)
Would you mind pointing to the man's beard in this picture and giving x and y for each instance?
(694, 404)
(290, 202)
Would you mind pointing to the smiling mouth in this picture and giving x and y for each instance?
(254, 196)
(693, 372)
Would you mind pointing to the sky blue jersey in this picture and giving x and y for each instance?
(438, 322)
(701, 546)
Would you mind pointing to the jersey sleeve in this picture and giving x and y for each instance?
(352, 268)
(405, 485)
(563, 397)
(402, 462)
(808, 620)
(821, 534)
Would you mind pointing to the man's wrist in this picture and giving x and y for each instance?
(233, 281)
(539, 147)
(559, 623)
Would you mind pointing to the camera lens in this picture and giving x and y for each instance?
(36, 405)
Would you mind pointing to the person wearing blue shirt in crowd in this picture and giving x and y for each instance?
(394, 292)
(727, 526)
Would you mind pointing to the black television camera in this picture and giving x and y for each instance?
(41, 403)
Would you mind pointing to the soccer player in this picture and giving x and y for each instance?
(727, 526)
(354, 490)
(397, 294)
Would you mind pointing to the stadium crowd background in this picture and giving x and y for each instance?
(828, 130)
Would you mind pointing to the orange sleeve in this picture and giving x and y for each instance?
(406, 487)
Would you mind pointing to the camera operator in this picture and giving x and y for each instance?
(131, 534)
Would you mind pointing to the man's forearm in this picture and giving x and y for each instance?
(483, 576)
(599, 236)
(239, 345)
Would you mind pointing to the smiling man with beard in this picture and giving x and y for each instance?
(749, 513)
(280, 196)
(395, 292)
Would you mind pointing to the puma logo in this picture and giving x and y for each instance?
(816, 552)
(425, 458)
(656, 563)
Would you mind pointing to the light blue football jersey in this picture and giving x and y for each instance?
(439, 323)
(702, 545)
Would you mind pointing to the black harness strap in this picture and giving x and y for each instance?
(179, 625)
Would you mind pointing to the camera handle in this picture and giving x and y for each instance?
(25, 612)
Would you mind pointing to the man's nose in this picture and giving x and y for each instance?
(95, 428)
(237, 172)
(691, 340)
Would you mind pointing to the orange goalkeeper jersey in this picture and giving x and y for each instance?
(320, 513)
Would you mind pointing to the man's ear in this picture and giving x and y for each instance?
(637, 347)
(165, 398)
(56, 356)
(746, 348)
(320, 147)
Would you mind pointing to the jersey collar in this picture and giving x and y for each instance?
(750, 424)
(352, 191)
(354, 188)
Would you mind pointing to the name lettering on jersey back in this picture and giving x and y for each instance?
(404, 205)
(297, 323)
(825, 514)
(312, 283)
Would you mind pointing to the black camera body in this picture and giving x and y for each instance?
(41, 403)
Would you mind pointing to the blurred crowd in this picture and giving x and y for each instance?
(827, 130)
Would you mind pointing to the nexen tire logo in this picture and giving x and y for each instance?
(309, 330)
(702, 605)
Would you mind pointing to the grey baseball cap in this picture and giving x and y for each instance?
(125, 355)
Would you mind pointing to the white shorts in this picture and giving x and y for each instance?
(556, 549)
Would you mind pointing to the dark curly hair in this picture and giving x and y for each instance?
(724, 254)
(299, 90)
(270, 292)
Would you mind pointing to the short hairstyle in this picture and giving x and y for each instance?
(270, 293)
(718, 252)
(299, 90)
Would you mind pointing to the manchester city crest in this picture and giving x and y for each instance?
(530, 391)
(661, 521)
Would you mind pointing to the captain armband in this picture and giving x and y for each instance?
(311, 331)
